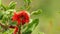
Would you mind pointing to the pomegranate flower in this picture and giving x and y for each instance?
(21, 17)
(12, 26)
(16, 30)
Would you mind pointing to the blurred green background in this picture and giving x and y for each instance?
(49, 18)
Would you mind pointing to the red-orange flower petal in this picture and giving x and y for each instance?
(21, 17)
(24, 16)
(16, 30)
(11, 26)
(15, 16)
(18, 21)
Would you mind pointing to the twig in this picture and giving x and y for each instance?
(19, 32)
(2, 25)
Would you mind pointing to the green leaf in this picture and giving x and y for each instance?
(12, 5)
(4, 7)
(9, 12)
(1, 15)
(13, 23)
(9, 31)
(29, 1)
(31, 26)
(36, 12)
(27, 32)
(4, 19)
(25, 1)
(34, 22)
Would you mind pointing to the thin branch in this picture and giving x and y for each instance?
(2, 25)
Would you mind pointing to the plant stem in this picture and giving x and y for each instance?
(4, 26)
(19, 32)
